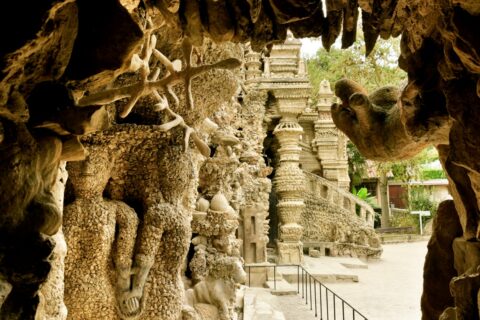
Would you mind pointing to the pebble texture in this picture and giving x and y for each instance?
(81, 46)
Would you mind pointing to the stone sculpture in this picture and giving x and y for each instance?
(153, 169)
(103, 232)
(216, 265)
(82, 45)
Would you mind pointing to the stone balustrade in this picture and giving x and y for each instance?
(326, 190)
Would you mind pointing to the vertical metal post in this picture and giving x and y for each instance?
(321, 306)
(315, 294)
(310, 286)
(306, 287)
(298, 278)
(249, 271)
(275, 277)
(326, 293)
(334, 308)
(303, 287)
(343, 310)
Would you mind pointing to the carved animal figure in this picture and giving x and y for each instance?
(218, 291)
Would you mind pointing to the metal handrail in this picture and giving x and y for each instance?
(323, 308)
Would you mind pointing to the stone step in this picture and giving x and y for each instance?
(340, 274)
(349, 263)
(324, 269)
(259, 304)
(282, 287)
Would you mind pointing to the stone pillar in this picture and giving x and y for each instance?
(330, 142)
(290, 186)
(252, 65)
(266, 67)
(302, 68)
(254, 238)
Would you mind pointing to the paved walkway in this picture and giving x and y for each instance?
(390, 288)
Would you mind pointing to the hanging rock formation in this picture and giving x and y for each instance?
(69, 65)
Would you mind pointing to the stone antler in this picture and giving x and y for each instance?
(162, 105)
(147, 86)
(150, 84)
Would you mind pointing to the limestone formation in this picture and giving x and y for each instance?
(55, 56)
(437, 274)
(52, 305)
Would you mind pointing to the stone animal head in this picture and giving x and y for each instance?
(239, 275)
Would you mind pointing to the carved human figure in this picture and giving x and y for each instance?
(164, 236)
(100, 236)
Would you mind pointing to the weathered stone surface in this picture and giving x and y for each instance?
(107, 36)
(440, 51)
(439, 263)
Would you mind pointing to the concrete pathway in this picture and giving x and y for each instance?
(260, 304)
(390, 288)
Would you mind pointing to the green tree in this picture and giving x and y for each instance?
(377, 70)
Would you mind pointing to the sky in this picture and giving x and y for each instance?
(310, 47)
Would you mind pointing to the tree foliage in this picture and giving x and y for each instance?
(377, 70)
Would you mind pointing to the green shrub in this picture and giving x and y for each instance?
(433, 174)
(419, 200)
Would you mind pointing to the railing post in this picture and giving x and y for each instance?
(334, 308)
(298, 278)
(321, 306)
(303, 289)
(315, 294)
(363, 213)
(310, 286)
(275, 277)
(326, 300)
(305, 279)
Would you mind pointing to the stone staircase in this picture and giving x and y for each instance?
(336, 222)
(339, 198)
(298, 292)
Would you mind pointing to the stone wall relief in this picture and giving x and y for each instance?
(136, 275)
(98, 232)
(216, 266)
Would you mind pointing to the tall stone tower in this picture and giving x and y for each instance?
(284, 78)
(330, 142)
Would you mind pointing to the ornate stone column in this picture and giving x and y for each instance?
(285, 79)
(329, 141)
(289, 183)
(252, 65)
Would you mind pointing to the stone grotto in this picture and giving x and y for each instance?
(151, 149)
